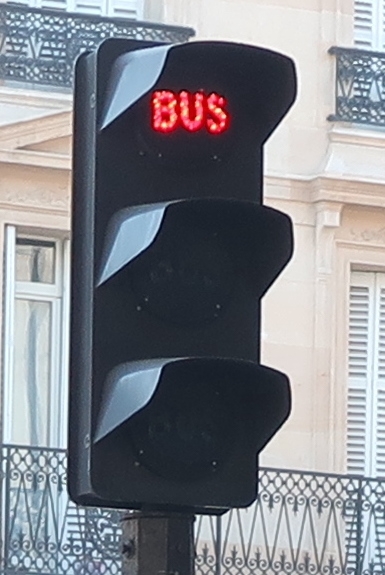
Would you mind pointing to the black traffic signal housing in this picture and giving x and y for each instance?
(173, 250)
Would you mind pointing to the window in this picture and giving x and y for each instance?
(131, 9)
(369, 24)
(366, 415)
(36, 340)
(366, 389)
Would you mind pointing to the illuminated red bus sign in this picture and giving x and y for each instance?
(190, 111)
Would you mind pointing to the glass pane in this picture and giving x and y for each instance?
(35, 261)
(31, 373)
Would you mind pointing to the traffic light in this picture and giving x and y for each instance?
(173, 250)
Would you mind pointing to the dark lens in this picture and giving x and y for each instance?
(186, 276)
(181, 434)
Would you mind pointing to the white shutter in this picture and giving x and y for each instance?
(366, 384)
(55, 5)
(97, 7)
(382, 30)
(130, 9)
(379, 377)
(364, 23)
(49, 4)
(358, 417)
(369, 24)
(366, 408)
(358, 401)
(125, 9)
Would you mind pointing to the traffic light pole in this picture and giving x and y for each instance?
(157, 543)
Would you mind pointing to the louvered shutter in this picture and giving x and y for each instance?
(364, 23)
(379, 376)
(360, 347)
(65, 5)
(130, 9)
(366, 388)
(366, 413)
(55, 5)
(369, 24)
(358, 403)
(125, 8)
(97, 7)
(382, 32)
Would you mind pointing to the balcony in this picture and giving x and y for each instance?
(302, 523)
(360, 86)
(39, 46)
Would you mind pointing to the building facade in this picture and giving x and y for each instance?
(324, 318)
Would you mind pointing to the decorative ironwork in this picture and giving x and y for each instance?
(42, 531)
(40, 46)
(302, 523)
(360, 86)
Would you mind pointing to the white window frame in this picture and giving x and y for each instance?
(58, 295)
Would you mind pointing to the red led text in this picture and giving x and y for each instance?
(191, 111)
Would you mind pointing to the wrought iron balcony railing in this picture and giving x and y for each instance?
(302, 523)
(40, 46)
(360, 86)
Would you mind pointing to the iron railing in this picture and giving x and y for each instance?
(40, 46)
(360, 86)
(302, 523)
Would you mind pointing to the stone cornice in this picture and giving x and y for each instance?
(55, 123)
(43, 160)
(357, 136)
(36, 98)
(37, 130)
(326, 187)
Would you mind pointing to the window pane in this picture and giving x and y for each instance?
(35, 261)
(31, 372)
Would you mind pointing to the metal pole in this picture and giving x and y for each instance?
(359, 540)
(218, 545)
(157, 544)
(6, 498)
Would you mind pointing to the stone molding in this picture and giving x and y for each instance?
(29, 132)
